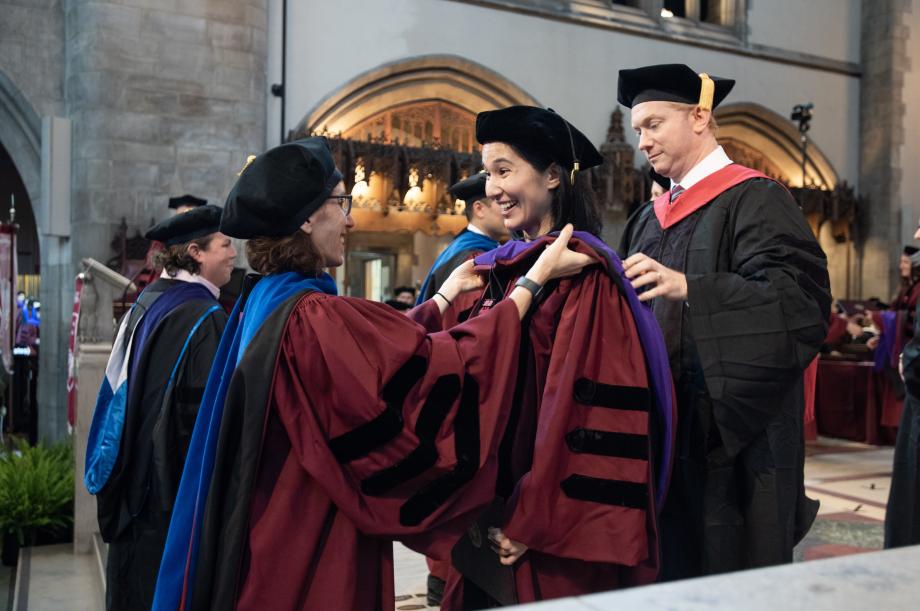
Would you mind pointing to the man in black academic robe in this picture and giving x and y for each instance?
(175, 328)
(483, 232)
(902, 515)
(740, 287)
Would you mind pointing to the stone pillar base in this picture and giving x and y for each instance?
(90, 369)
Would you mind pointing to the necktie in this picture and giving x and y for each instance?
(676, 190)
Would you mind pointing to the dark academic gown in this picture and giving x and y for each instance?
(465, 246)
(902, 518)
(168, 370)
(587, 442)
(756, 315)
(345, 426)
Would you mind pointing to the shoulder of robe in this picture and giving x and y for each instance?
(346, 307)
(634, 224)
(759, 191)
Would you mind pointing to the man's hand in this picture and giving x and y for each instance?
(854, 328)
(668, 283)
(509, 551)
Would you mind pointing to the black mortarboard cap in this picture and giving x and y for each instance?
(470, 189)
(663, 181)
(671, 83)
(186, 200)
(910, 250)
(541, 131)
(278, 190)
(181, 228)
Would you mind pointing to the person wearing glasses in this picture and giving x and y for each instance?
(332, 425)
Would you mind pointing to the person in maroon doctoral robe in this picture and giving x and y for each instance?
(585, 460)
(345, 424)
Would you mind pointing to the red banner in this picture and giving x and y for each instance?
(71, 356)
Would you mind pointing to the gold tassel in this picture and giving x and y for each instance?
(707, 91)
(249, 160)
(575, 168)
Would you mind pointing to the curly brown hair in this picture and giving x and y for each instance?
(176, 257)
(293, 253)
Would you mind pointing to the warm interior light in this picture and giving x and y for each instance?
(414, 194)
(666, 13)
(359, 191)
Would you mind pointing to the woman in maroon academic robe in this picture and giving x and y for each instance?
(897, 328)
(586, 457)
(344, 425)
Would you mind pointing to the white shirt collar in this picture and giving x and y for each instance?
(475, 229)
(711, 163)
(185, 276)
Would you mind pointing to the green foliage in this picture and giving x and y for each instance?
(36, 489)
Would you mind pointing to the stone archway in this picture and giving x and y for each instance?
(429, 78)
(426, 103)
(21, 135)
(761, 139)
(756, 136)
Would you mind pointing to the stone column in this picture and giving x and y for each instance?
(883, 116)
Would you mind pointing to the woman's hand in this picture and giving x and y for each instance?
(557, 261)
(508, 550)
(464, 278)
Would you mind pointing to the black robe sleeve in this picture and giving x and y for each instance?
(172, 432)
(635, 223)
(759, 325)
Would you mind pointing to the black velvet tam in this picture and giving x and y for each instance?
(186, 200)
(280, 189)
(470, 189)
(667, 83)
(540, 131)
(196, 223)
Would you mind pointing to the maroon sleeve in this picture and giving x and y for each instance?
(588, 494)
(399, 427)
(428, 315)
(837, 331)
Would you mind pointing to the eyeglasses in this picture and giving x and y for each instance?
(344, 202)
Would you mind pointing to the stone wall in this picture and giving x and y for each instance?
(164, 96)
(32, 51)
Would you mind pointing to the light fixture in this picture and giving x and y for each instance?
(360, 190)
(414, 194)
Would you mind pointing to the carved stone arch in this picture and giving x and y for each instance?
(444, 78)
(21, 135)
(756, 136)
